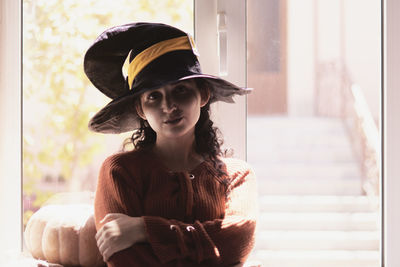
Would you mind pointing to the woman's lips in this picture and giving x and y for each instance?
(173, 120)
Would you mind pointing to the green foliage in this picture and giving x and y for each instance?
(58, 98)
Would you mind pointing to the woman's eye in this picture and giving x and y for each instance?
(181, 89)
(153, 96)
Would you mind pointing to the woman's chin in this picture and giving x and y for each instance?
(177, 132)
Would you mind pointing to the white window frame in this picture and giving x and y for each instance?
(11, 127)
(11, 110)
(391, 133)
(231, 119)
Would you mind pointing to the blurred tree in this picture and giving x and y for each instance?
(58, 98)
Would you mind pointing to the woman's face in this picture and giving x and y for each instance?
(173, 110)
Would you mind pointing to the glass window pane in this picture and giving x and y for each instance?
(60, 153)
(313, 130)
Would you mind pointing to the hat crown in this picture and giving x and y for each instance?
(151, 34)
(104, 59)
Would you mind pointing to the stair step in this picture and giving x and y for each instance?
(297, 124)
(289, 137)
(297, 155)
(307, 170)
(294, 140)
(316, 258)
(308, 186)
(321, 240)
(351, 221)
(313, 213)
(318, 203)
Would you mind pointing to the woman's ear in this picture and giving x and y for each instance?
(139, 110)
(205, 96)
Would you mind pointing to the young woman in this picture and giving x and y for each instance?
(174, 200)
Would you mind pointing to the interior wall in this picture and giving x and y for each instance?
(358, 47)
(363, 48)
(300, 58)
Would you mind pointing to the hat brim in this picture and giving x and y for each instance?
(120, 115)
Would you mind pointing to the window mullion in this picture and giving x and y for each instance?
(231, 119)
(391, 156)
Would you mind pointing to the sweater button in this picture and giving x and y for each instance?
(191, 176)
(190, 228)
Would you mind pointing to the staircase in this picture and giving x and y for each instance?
(312, 209)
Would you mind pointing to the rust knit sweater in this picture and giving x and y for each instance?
(196, 218)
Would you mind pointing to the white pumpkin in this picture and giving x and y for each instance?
(64, 234)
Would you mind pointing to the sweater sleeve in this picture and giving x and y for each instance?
(223, 241)
(115, 193)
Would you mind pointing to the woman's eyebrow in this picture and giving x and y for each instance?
(184, 83)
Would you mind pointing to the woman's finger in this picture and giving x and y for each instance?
(102, 220)
(98, 234)
(104, 242)
(108, 253)
(102, 249)
(100, 243)
(101, 233)
(109, 217)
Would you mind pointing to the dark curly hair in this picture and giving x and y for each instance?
(207, 137)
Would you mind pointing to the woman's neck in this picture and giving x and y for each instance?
(178, 154)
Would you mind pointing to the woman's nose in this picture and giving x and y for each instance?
(169, 103)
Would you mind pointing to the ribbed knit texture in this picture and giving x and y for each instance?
(189, 222)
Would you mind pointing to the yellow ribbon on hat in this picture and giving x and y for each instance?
(156, 50)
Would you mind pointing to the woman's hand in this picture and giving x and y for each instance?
(119, 231)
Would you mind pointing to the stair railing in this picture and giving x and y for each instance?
(361, 125)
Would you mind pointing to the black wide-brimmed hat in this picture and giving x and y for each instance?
(158, 55)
